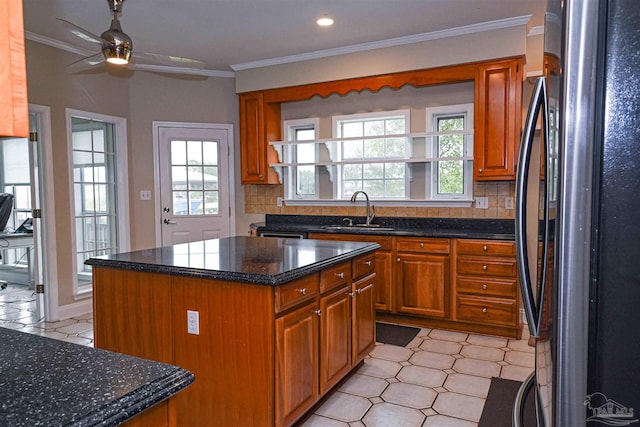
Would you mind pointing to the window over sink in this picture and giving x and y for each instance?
(375, 152)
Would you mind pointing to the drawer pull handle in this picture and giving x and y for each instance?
(484, 286)
(303, 291)
(484, 248)
(340, 275)
(367, 263)
(485, 268)
(484, 309)
(318, 312)
(421, 245)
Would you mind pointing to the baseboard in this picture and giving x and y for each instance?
(75, 309)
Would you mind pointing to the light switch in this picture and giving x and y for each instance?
(145, 195)
(508, 202)
(193, 322)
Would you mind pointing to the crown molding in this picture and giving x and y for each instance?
(38, 38)
(398, 41)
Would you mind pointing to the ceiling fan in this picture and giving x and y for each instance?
(116, 47)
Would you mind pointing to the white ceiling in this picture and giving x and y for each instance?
(234, 34)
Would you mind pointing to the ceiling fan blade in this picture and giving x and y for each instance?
(80, 32)
(167, 60)
(85, 63)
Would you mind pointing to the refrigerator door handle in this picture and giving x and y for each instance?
(518, 407)
(538, 103)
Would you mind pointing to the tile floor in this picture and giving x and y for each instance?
(440, 379)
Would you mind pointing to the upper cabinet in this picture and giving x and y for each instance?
(14, 108)
(498, 103)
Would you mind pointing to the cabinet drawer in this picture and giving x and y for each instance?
(487, 267)
(291, 294)
(492, 287)
(363, 265)
(335, 276)
(423, 245)
(485, 247)
(487, 310)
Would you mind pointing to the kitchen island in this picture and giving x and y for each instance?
(268, 326)
(47, 382)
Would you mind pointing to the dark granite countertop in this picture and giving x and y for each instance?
(47, 382)
(266, 261)
(464, 228)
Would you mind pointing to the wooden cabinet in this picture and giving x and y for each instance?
(383, 264)
(364, 317)
(422, 274)
(259, 123)
(14, 108)
(487, 285)
(498, 103)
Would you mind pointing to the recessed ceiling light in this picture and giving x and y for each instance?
(325, 21)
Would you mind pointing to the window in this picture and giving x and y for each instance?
(377, 153)
(99, 211)
(451, 174)
(364, 165)
(303, 179)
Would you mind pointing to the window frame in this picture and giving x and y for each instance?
(289, 129)
(121, 189)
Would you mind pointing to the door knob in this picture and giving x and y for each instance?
(168, 221)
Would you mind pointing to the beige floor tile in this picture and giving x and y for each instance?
(440, 334)
(432, 360)
(75, 328)
(77, 340)
(459, 406)
(487, 341)
(516, 373)
(410, 395)
(318, 421)
(391, 352)
(468, 384)
(439, 346)
(364, 386)
(444, 421)
(479, 368)
(419, 375)
(379, 368)
(387, 415)
(344, 407)
(481, 352)
(521, 345)
(520, 358)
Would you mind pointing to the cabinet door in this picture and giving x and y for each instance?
(257, 127)
(363, 317)
(383, 281)
(296, 363)
(498, 101)
(335, 337)
(424, 284)
(14, 109)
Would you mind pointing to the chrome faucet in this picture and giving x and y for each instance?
(371, 210)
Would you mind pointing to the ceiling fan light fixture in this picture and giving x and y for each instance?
(116, 45)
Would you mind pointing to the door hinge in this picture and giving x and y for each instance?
(36, 213)
(33, 136)
(40, 289)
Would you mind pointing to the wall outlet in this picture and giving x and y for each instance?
(508, 202)
(145, 195)
(482, 202)
(279, 202)
(193, 322)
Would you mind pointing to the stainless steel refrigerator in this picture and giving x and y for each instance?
(578, 217)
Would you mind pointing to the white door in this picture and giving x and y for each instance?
(194, 184)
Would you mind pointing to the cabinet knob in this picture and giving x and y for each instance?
(340, 275)
(398, 259)
(318, 312)
(303, 291)
(367, 263)
(484, 267)
(479, 170)
(351, 294)
(485, 248)
(484, 309)
(484, 286)
(421, 245)
(261, 175)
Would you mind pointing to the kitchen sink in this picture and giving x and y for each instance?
(357, 227)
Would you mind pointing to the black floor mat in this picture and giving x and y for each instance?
(395, 334)
(498, 408)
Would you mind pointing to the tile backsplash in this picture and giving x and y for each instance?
(263, 199)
